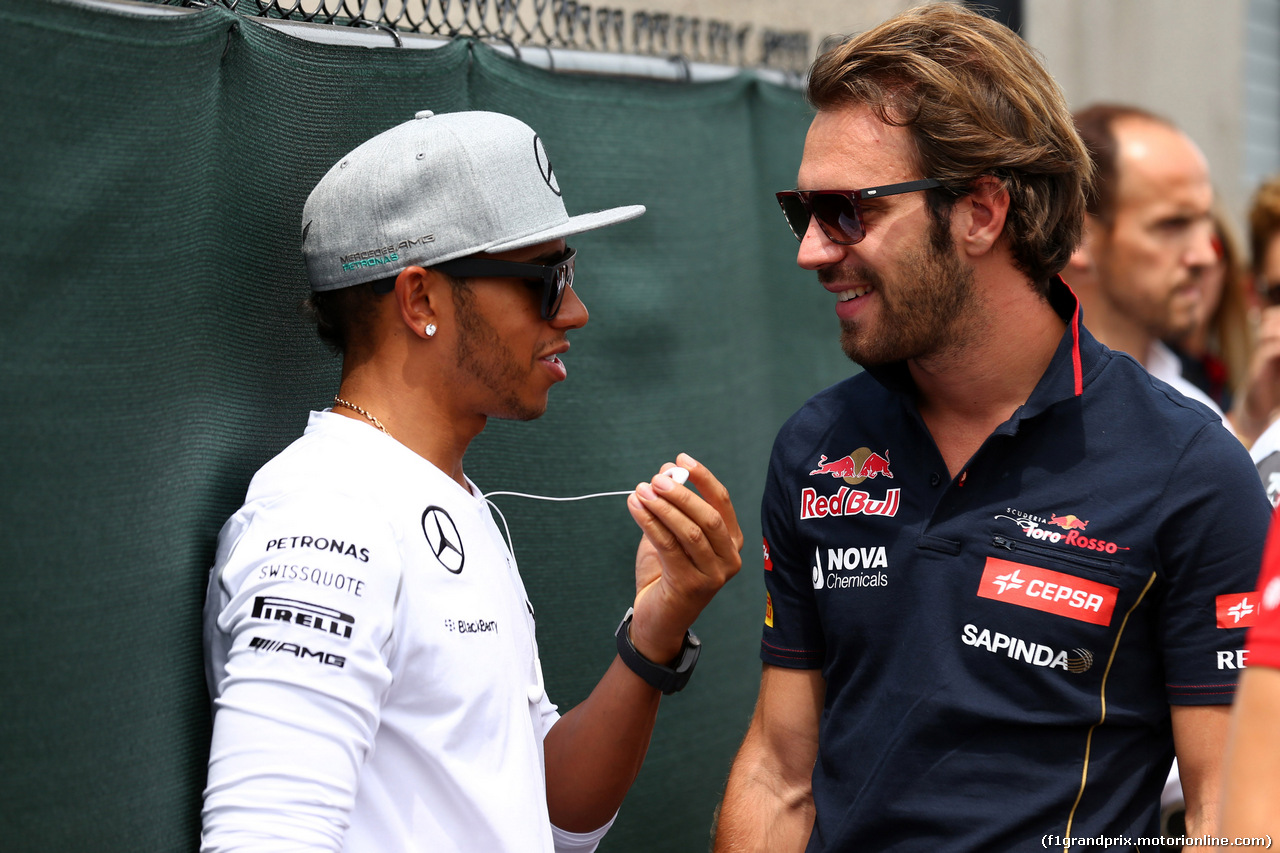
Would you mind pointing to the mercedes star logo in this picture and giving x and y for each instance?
(442, 536)
(544, 165)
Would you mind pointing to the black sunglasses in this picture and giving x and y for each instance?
(837, 211)
(553, 278)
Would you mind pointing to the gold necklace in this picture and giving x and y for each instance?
(359, 411)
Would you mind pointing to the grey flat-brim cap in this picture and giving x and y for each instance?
(433, 189)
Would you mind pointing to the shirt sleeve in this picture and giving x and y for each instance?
(793, 635)
(299, 629)
(580, 842)
(1264, 636)
(1214, 522)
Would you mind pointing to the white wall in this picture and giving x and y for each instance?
(1183, 59)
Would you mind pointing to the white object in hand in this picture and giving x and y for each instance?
(678, 474)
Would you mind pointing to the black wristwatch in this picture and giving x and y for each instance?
(668, 679)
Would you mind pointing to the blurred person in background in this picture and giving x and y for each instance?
(1264, 241)
(1149, 240)
(1215, 354)
(1261, 401)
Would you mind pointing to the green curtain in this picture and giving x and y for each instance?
(154, 356)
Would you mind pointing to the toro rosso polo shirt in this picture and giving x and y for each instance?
(1001, 648)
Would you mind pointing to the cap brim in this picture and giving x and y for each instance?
(573, 225)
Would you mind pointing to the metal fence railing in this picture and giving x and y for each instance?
(554, 24)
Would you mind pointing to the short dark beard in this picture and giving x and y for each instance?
(486, 357)
(920, 321)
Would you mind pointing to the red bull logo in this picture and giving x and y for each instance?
(841, 468)
(1068, 522)
(861, 464)
(848, 501)
(875, 466)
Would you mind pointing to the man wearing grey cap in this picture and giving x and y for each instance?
(369, 644)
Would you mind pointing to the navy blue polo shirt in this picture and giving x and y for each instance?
(1001, 648)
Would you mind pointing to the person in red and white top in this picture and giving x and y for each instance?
(1251, 787)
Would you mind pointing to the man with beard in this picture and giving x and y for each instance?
(1148, 238)
(1002, 564)
(369, 644)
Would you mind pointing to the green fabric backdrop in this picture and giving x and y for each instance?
(153, 357)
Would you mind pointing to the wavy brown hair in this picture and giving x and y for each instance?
(1264, 221)
(1231, 333)
(976, 102)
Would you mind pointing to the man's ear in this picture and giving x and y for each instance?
(985, 209)
(421, 295)
(1084, 257)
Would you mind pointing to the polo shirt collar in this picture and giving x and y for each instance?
(1073, 362)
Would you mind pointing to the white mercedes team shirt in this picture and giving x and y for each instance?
(370, 651)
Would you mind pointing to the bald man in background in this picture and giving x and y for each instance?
(1148, 238)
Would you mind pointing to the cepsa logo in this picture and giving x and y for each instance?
(1048, 591)
(1239, 610)
(768, 564)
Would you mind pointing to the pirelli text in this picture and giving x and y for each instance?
(1107, 842)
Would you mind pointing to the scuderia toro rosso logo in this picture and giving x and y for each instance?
(1069, 530)
(860, 465)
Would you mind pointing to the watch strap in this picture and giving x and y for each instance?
(669, 679)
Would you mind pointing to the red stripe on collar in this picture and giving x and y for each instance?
(1076, 369)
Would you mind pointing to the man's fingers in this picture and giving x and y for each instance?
(703, 539)
(654, 530)
(696, 525)
(714, 492)
(711, 513)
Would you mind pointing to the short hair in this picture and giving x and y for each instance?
(1264, 221)
(1096, 126)
(976, 102)
(344, 316)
